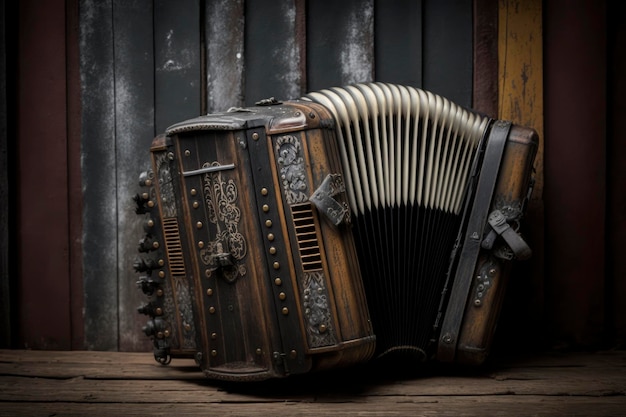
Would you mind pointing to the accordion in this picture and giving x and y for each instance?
(369, 221)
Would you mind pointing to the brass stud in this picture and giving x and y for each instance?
(278, 281)
(187, 326)
(150, 203)
(268, 223)
(322, 328)
(285, 311)
(266, 208)
(199, 225)
(200, 244)
(213, 335)
(150, 223)
(270, 236)
(255, 136)
(166, 333)
(276, 265)
(264, 191)
(158, 311)
(155, 245)
(259, 351)
(207, 273)
(214, 352)
(273, 250)
(159, 292)
(293, 354)
(282, 295)
(160, 335)
(148, 183)
(209, 291)
(212, 310)
(195, 204)
(145, 196)
(187, 152)
(194, 191)
(161, 274)
(161, 262)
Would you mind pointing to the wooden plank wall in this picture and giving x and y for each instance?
(145, 65)
(5, 288)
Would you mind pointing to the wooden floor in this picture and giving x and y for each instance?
(36, 383)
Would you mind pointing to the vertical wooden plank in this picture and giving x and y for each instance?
(99, 184)
(224, 36)
(272, 53)
(520, 98)
(447, 55)
(616, 175)
(134, 131)
(485, 79)
(575, 180)
(177, 60)
(74, 184)
(398, 41)
(340, 43)
(42, 178)
(5, 285)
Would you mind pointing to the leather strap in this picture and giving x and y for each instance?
(471, 243)
(500, 227)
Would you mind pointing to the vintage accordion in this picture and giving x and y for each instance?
(370, 221)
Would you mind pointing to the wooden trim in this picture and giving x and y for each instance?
(485, 74)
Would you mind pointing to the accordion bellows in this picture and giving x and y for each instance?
(369, 221)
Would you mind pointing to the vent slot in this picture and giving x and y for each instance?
(174, 247)
(306, 235)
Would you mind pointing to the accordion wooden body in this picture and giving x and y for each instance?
(370, 221)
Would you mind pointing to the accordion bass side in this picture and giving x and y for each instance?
(267, 285)
(370, 221)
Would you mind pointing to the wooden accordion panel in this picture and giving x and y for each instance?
(281, 238)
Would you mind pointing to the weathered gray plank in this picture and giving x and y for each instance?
(398, 41)
(448, 49)
(224, 37)
(177, 60)
(134, 131)
(340, 43)
(272, 54)
(99, 172)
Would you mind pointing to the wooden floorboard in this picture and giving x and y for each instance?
(82, 383)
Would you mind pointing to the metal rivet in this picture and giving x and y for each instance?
(150, 223)
(214, 352)
(270, 236)
(200, 244)
(194, 191)
(212, 310)
(155, 245)
(264, 191)
(322, 328)
(266, 208)
(297, 114)
(255, 136)
(150, 203)
(213, 336)
(145, 196)
(492, 271)
(293, 354)
(166, 333)
(276, 265)
(170, 155)
(148, 183)
(278, 281)
(447, 339)
(161, 274)
(199, 225)
(161, 262)
(477, 303)
(273, 250)
(209, 291)
(159, 292)
(195, 204)
(187, 152)
(285, 311)
(282, 295)
(160, 335)
(268, 223)
(158, 311)
(187, 326)
(259, 351)
(207, 273)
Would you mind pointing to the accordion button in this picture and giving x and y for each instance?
(255, 136)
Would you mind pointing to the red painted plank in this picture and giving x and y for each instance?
(43, 246)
